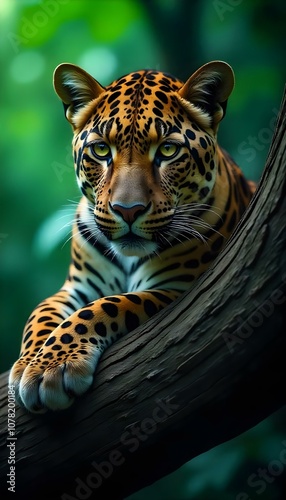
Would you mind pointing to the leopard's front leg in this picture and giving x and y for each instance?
(64, 366)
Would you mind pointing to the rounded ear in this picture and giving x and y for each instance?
(209, 88)
(75, 87)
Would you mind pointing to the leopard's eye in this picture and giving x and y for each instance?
(167, 149)
(101, 150)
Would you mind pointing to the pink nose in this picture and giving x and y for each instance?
(129, 214)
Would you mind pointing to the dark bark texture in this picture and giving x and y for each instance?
(202, 371)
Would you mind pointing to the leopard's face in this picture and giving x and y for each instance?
(143, 154)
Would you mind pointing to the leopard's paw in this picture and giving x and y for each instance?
(15, 376)
(51, 382)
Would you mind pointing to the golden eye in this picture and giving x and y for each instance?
(101, 150)
(167, 149)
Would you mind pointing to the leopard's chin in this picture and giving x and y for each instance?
(132, 245)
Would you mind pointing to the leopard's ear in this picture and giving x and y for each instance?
(76, 88)
(208, 90)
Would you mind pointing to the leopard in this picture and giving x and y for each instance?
(160, 199)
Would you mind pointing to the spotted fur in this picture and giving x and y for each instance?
(160, 199)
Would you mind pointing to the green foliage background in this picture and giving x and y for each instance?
(109, 38)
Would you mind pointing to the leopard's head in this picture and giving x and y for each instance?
(144, 148)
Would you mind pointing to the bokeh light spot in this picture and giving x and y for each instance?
(27, 66)
(100, 62)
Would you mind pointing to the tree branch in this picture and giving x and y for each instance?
(202, 371)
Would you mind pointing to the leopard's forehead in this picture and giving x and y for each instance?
(146, 78)
(131, 105)
(139, 89)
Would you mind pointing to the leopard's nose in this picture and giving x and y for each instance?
(129, 213)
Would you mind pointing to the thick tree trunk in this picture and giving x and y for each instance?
(185, 15)
(204, 370)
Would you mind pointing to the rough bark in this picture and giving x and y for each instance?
(204, 370)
